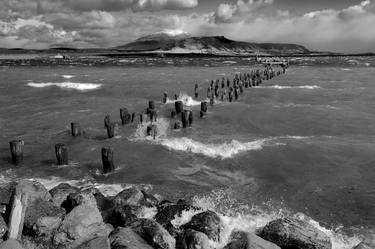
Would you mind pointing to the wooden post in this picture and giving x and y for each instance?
(184, 118)
(17, 215)
(107, 160)
(173, 114)
(16, 150)
(196, 91)
(111, 130)
(165, 98)
(190, 118)
(125, 116)
(107, 120)
(76, 129)
(179, 106)
(201, 114)
(153, 115)
(133, 117)
(151, 105)
(61, 154)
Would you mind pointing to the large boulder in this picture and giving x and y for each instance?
(130, 196)
(82, 224)
(34, 191)
(126, 238)
(295, 233)
(191, 239)
(362, 245)
(42, 218)
(207, 222)
(60, 193)
(11, 244)
(243, 240)
(153, 233)
(97, 243)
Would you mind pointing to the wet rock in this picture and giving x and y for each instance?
(130, 196)
(6, 192)
(11, 244)
(295, 233)
(207, 222)
(149, 200)
(123, 216)
(42, 218)
(82, 224)
(191, 239)
(97, 243)
(34, 191)
(153, 233)
(60, 193)
(3, 227)
(362, 245)
(243, 240)
(126, 238)
(75, 199)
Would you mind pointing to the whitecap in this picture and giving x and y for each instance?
(186, 99)
(67, 85)
(67, 76)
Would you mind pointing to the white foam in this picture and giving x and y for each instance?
(67, 85)
(186, 100)
(310, 87)
(68, 76)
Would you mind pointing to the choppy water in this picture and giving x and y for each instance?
(303, 142)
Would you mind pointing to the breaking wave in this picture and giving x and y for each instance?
(186, 99)
(310, 87)
(67, 85)
(68, 76)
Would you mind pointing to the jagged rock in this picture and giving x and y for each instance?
(362, 245)
(60, 193)
(153, 233)
(82, 224)
(243, 240)
(3, 227)
(126, 238)
(97, 243)
(191, 239)
(295, 233)
(130, 196)
(6, 192)
(75, 199)
(102, 202)
(123, 216)
(207, 222)
(42, 218)
(11, 244)
(149, 200)
(167, 212)
(34, 191)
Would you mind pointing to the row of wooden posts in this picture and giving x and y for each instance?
(227, 92)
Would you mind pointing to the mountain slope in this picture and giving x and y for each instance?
(207, 44)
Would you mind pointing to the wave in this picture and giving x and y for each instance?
(67, 85)
(68, 76)
(293, 105)
(186, 99)
(311, 87)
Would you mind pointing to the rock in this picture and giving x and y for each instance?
(362, 245)
(3, 227)
(61, 192)
(42, 218)
(82, 224)
(153, 233)
(97, 243)
(123, 216)
(149, 200)
(191, 239)
(102, 202)
(207, 222)
(75, 199)
(126, 238)
(34, 191)
(243, 240)
(130, 196)
(11, 244)
(6, 192)
(295, 233)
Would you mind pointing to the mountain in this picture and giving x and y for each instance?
(220, 45)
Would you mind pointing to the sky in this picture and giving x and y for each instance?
(320, 25)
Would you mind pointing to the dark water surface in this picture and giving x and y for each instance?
(303, 142)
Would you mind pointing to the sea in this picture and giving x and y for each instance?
(301, 144)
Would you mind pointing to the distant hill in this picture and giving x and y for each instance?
(220, 45)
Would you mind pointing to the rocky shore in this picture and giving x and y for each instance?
(68, 217)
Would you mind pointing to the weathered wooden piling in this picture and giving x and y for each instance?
(212, 101)
(185, 118)
(61, 154)
(107, 120)
(190, 118)
(107, 160)
(152, 131)
(165, 97)
(175, 97)
(151, 105)
(133, 117)
(16, 150)
(179, 106)
(153, 115)
(230, 96)
(76, 129)
(236, 93)
(125, 116)
(111, 128)
(201, 114)
(173, 113)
